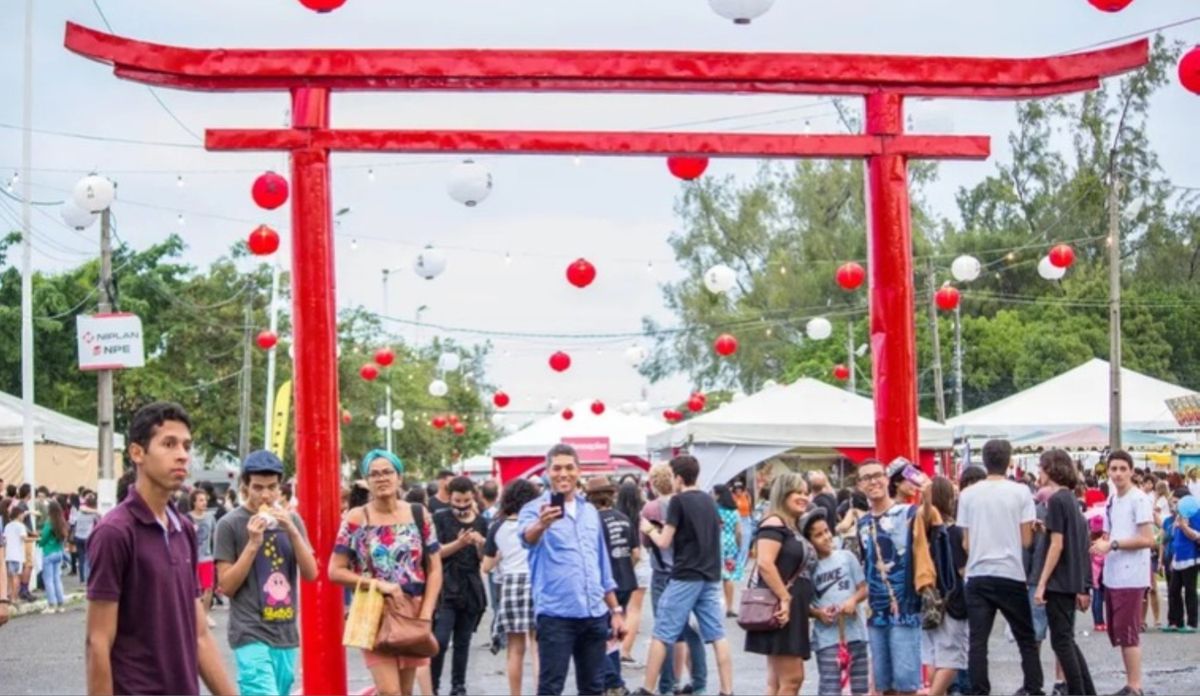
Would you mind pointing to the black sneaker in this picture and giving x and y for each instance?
(1060, 689)
(689, 689)
(1128, 691)
(642, 692)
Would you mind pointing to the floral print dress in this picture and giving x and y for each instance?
(732, 568)
(391, 552)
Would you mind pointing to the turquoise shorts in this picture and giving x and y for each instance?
(263, 670)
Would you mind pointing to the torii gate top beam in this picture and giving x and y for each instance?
(603, 71)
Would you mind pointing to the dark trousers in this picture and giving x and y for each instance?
(985, 596)
(699, 671)
(612, 673)
(1060, 616)
(499, 640)
(1181, 594)
(458, 624)
(560, 641)
(1098, 605)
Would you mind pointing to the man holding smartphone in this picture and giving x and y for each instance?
(571, 576)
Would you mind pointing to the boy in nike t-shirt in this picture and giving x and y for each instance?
(838, 587)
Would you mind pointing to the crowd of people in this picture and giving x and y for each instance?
(893, 583)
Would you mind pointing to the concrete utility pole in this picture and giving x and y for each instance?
(273, 313)
(1114, 312)
(939, 397)
(104, 378)
(27, 460)
(852, 384)
(387, 378)
(958, 362)
(244, 411)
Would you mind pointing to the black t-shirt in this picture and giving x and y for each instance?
(697, 543)
(435, 506)
(1034, 555)
(618, 534)
(462, 584)
(1073, 574)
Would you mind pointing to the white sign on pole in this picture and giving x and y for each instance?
(109, 341)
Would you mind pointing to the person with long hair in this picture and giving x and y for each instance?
(630, 503)
(731, 543)
(52, 539)
(505, 554)
(85, 522)
(944, 648)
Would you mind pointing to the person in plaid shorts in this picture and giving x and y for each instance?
(504, 552)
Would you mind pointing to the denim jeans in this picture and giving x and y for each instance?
(985, 596)
(81, 554)
(747, 536)
(699, 670)
(1098, 605)
(560, 641)
(895, 657)
(458, 625)
(52, 578)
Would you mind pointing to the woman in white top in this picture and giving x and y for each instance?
(505, 553)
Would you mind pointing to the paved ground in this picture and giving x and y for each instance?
(44, 655)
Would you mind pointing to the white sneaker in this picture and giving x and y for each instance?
(211, 623)
(48, 610)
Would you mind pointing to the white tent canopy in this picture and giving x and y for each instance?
(626, 433)
(48, 426)
(1078, 398)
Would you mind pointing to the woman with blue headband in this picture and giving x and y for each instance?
(392, 542)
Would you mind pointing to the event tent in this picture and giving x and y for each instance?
(805, 414)
(65, 449)
(619, 441)
(1075, 400)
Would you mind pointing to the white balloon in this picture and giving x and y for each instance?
(643, 407)
(1049, 271)
(720, 278)
(635, 355)
(965, 268)
(381, 422)
(398, 424)
(449, 362)
(76, 217)
(94, 193)
(430, 263)
(819, 329)
(740, 11)
(470, 183)
(438, 388)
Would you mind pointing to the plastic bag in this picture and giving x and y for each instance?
(366, 613)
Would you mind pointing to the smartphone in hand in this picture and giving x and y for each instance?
(915, 476)
(558, 500)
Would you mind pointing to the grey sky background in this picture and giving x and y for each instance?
(544, 211)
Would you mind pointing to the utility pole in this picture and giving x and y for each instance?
(27, 460)
(958, 362)
(273, 312)
(939, 398)
(244, 412)
(1114, 312)
(387, 382)
(104, 378)
(852, 384)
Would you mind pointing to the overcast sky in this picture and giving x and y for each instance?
(544, 211)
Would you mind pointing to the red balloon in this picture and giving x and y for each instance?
(460, 428)
(687, 168)
(438, 422)
(346, 417)
(695, 404)
(850, 276)
(500, 399)
(597, 407)
(581, 273)
(725, 345)
(1110, 5)
(1062, 256)
(841, 373)
(560, 361)
(568, 414)
(270, 190)
(947, 298)
(263, 241)
(368, 372)
(385, 357)
(266, 339)
(1189, 70)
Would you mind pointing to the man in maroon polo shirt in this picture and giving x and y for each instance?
(146, 628)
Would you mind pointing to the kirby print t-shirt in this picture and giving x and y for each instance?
(264, 608)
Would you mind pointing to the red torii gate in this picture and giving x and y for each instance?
(311, 75)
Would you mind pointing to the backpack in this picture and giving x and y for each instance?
(945, 563)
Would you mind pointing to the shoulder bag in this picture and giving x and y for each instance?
(759, 605)
(401, 632)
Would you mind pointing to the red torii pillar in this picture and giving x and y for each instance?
(311, 75)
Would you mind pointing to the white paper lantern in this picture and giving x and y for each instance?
(552, 404)
(397, 424)
(643, 407)
(94, 193)
(498, 419)
(1049, 271)
(449, 362)
(635, 355)
(819, 329)
(77, 218)
(740, 11)
(430, 263)
(965, 268)
(770, 384)
(720, 279)
(397, 415)
(470, 183)
(381, 422)
(438, 388)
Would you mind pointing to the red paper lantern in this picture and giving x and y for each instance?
(266, 339)
(385, 357)
(346, 417)
(850, 276)
(581, 273)
(263, 241)
(453, 418)
(270, 191)
(725, 345)
(841, 373)
(560, 361)
(947, 298)
(322, 6)
(687, 168)
(695, 404)
(459, 428)
(673, 415)
(368, 372)
(568, 414)
(438, 422)
(1189, 70)
(1110, 5)
(500, 399)
(597, 407)
(1062, 256)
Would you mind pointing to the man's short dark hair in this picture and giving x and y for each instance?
(970, 476)
(997, 454)
(431, 488)
(461, 484)
(1059, 468)
(10, 491)
(687, 468)
(517, 493)
(24, 491)
(562, 450)
(1122, 455)
(150, 417)
(42, 490)
(444, 474)
(490, 490)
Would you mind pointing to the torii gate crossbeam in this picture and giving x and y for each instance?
(311, 75)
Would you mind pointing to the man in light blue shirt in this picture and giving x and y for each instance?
(573, 589)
